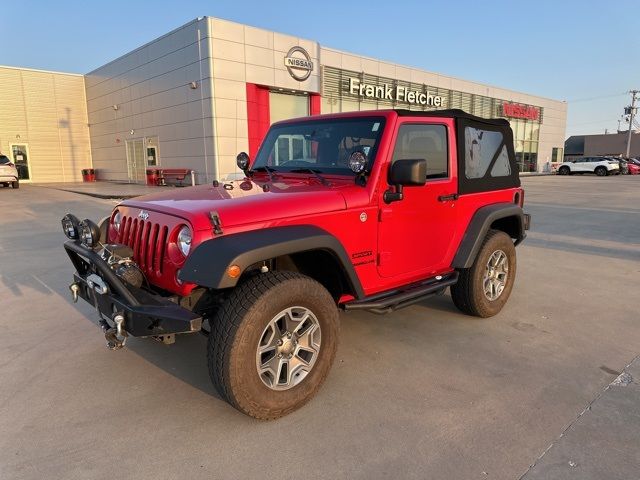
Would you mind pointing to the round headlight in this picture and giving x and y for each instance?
(70, 225)
(89, 233)
(117, 221)
(184, 240)
(357, 162)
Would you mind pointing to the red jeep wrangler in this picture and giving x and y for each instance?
(370, 210)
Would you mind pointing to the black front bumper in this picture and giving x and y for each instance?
(145, 313)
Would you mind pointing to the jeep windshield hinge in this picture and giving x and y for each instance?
(215, 223)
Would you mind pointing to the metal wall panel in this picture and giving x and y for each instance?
(47, 111)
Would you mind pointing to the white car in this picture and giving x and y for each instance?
(8, 172)
(599, 165)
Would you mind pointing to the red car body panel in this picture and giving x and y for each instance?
(390, 245)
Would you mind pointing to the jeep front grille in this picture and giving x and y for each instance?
(148, 241)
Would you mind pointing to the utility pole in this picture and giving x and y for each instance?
(632, 111)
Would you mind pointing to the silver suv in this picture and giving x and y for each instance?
(8, 172)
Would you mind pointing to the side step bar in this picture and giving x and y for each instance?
(393, 300)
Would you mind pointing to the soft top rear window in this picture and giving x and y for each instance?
(487, 158)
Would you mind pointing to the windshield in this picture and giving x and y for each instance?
(4, 160)
(323, 145)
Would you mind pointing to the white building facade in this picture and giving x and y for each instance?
(200, 94)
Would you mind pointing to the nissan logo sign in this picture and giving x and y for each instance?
(298, 63)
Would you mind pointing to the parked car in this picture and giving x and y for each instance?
(355, 214)
(633, 166)
(601, 166)
(8, 173)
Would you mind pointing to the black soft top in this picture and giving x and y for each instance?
(452, 113)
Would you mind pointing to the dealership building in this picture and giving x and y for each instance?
(196, 96)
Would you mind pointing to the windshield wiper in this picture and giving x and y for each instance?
(316, 173)
(266, 169)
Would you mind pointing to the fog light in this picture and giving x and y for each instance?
(70, 224)
(89, 233)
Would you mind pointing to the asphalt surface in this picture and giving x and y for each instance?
(425, 392)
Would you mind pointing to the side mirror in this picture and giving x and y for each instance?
(242, 160)
(403, 173)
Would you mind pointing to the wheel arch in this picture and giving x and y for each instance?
(307, 249)
(505, 217)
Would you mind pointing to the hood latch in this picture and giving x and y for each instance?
(215, 223)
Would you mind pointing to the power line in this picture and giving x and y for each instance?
(588, 99)
(590, 123)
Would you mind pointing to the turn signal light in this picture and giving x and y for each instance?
(233, 271)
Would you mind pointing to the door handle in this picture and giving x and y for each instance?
(446, 198)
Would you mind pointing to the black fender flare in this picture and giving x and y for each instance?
(480, 225)
(207, 265)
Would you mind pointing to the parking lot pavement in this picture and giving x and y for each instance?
(421, 393)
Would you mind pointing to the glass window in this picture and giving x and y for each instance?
(502, 168)
(322, 145)
(416, 141)
(528, 128)
(283, 107)
(481, 146)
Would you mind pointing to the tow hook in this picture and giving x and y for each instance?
(75, 288)
(116, 336)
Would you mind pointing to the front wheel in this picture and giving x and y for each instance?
(16, 184)
(601, 171)
(272, 343)
(564, 171)
(484, 288)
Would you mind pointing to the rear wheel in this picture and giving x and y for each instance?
(272, 343)
(564, 171)
(484, 288)
(601, 171)
(16, 184)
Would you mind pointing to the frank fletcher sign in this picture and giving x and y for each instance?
(394, 93)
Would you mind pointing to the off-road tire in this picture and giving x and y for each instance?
(601, 171)
(236, 330)
(564, 171)
(15, 184)
(468, 293)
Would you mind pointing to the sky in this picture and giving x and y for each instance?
(584, 52)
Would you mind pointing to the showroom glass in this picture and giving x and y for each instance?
(420, 141)
(323, 145)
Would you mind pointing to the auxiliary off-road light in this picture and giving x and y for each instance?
(358, 162)
(184, 240)
(70, 224)
(242, 160)
(89, 233)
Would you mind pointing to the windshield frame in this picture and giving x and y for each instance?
(278, 129)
